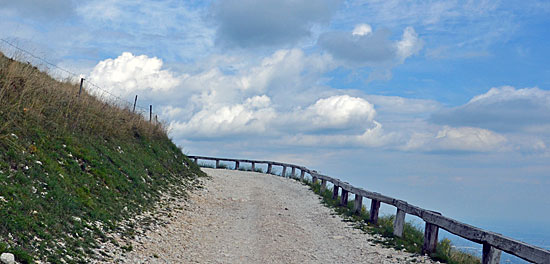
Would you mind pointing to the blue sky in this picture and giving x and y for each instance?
(445, 104)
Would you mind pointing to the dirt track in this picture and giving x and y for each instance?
(247, 217)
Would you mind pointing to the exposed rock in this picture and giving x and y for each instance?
(7, 258)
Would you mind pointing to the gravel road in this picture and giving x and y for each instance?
(248, 217)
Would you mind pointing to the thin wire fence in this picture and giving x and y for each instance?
(92, 88)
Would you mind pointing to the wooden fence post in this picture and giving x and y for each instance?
(217, 164)
(358, 204)
(269, 167)
(135, 102)
(335, 192)
(430, 238)
(293, 172)
(253, 166)
(284, 171)
(302, 174)
(399, 223)
(344, 200)
(237, 165)
(491, 255)
(313, 180)
(81, 83)
(374, 209)
(195, 160)
(150, 113)
(323, 185)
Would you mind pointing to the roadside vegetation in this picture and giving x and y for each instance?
(413, 235)
(72, 168)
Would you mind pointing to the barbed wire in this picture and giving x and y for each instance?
(129, 103)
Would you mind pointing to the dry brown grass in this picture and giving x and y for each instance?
(29, 95)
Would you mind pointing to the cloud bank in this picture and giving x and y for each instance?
(249, 23)
(504, 109)
(364, 48)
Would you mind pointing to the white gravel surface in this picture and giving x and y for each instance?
(248, 217)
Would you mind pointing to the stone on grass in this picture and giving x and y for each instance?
(7, 258)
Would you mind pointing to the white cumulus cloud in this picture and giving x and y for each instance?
(250, 117)
(129, 74)
(339, 111)
(361, 30)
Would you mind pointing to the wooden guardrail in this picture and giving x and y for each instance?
(493, 243)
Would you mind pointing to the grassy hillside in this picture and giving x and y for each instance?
(71, 167)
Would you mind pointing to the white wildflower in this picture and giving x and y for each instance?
(33, 189)
(38, 162)
(14, 136)
(26, 168)
(2, 199)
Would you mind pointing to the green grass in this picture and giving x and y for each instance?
(72, 171)
(413, 235)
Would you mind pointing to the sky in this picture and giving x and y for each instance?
(444, 104)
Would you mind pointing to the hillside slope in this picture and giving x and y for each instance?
(72, 168)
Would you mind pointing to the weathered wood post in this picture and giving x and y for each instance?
(135, 102)
(344, 200)
(237, 165)
(195, 160)
(358, 204)
(253, 166)
(284, 171)
(302, 174)
(374, 209)
(323, 185)
(430, 238)
(399, 223)
(81, 83)
(269, 167)
(150, 113)
(335, 192)
(313, 179)
(293, 172)
(217, 164)
(491, 255)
